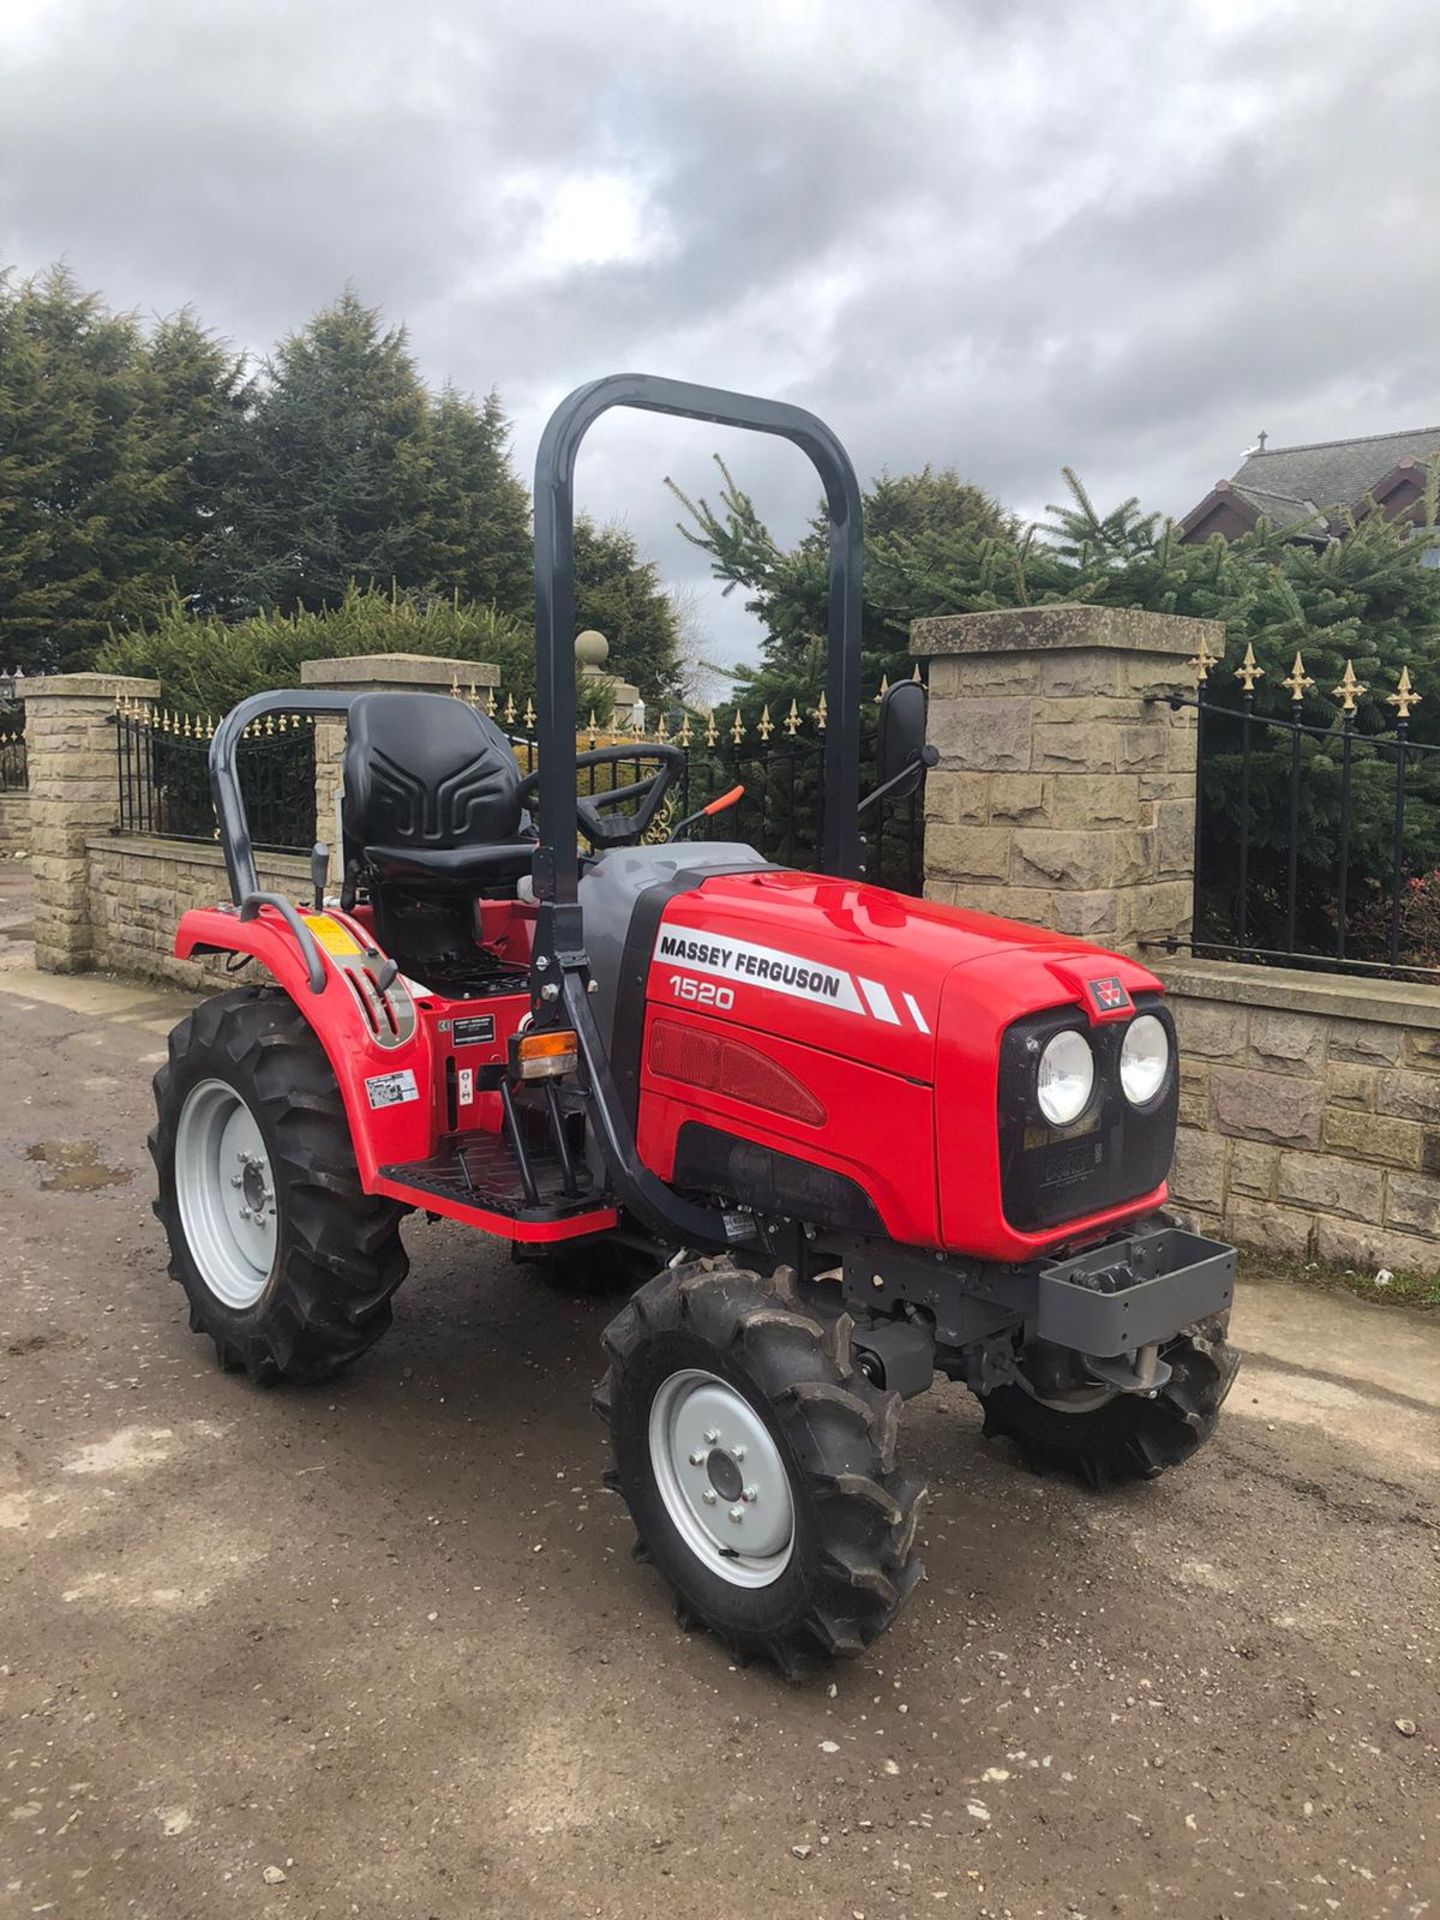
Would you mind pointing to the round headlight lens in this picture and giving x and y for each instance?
(1065, 1078)
(1144, 1058)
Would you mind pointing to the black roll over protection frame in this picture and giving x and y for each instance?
(560, 968)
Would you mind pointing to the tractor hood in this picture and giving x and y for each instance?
(873, 976)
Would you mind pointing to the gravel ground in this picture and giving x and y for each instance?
(380, 1649)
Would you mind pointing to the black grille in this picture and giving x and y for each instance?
(1113, 1153)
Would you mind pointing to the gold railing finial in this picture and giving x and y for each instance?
(1201, 661)
(1404, 696)
(1298, 681)
(1248, 672)
(1349, 689)
(791, 722)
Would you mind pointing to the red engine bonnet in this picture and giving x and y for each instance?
(867, 997)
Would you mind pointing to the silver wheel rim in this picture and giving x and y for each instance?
(721, 1478)
(226, 1193)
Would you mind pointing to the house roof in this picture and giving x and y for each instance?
(1280, 509)
(1331, 473)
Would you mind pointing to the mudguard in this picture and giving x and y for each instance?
(379, 1048)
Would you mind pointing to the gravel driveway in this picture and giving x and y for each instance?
(380, 1649)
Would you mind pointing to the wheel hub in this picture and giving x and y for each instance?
(722, 1479)
(226, 1194)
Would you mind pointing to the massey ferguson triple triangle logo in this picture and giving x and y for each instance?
(1109, 995)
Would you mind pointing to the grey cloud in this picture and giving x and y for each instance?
(1119, 235)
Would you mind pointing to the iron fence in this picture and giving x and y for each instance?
(14, 777)
(1317, 831)
(161, 761)
(779, 764)
(164, 789)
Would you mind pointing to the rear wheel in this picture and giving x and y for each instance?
(758, 1465)
(288, 1265)
(1104, 1436)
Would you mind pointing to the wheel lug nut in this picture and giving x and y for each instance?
(712, 1435)
(737, 1453)
(737, 1514)
(244, 1213)
(697, 1459)
(709, 1496)
(236, 1180)
(750, 1495)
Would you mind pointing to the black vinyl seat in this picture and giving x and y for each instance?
(430, 790)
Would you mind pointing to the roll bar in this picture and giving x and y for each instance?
(225, 781)
(557, 866)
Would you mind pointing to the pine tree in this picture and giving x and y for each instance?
(76, 478)
(473, 535)
(326, 473)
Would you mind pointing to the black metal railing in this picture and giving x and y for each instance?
(1317, 828)
(162, 766)
(164, 789)
(14, 776)
(780, 764)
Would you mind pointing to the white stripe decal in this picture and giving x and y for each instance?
(881, 1005)
(915, 1013)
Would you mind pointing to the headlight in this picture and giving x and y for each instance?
(1065, 1078)
(1144, 1058)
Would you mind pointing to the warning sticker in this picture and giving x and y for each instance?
(391, 1089)
(332, 936)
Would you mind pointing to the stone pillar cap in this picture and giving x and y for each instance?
(592, 650)
(1065, 624)
(396, 672)
(90, 686)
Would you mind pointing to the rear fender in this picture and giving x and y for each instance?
(377, 1045)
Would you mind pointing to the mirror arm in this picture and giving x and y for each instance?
(927, 756)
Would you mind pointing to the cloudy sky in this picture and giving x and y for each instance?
(1003, 234)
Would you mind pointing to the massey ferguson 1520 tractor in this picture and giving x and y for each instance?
(856, 1139)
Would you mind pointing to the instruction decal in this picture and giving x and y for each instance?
(391, 1089)
(471, 1029)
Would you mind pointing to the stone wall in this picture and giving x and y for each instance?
(1310, 1113)
(14, 824)
(138, 888)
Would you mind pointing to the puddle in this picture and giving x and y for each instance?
(73, 1166)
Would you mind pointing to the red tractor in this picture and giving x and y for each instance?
(842, 1139)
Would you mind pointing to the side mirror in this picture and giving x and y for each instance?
(901, 752)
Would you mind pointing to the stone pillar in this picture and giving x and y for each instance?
(378, 673)
(74, 793)
(1065, 792)
(592, 650)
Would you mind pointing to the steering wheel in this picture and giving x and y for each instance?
(590, 808)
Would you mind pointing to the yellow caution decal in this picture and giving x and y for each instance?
(332, 936)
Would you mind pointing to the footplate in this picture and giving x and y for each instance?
(1133, 1292)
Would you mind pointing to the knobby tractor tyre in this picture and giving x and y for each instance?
(738, 1422)
(1125, 1437)
(288, 1265)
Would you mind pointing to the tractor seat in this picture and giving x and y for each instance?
(430, 797)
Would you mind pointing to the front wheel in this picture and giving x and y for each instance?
(288, 1265)
(758, 1465)
(1103, 1436)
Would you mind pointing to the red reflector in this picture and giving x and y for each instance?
(721, 1065)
